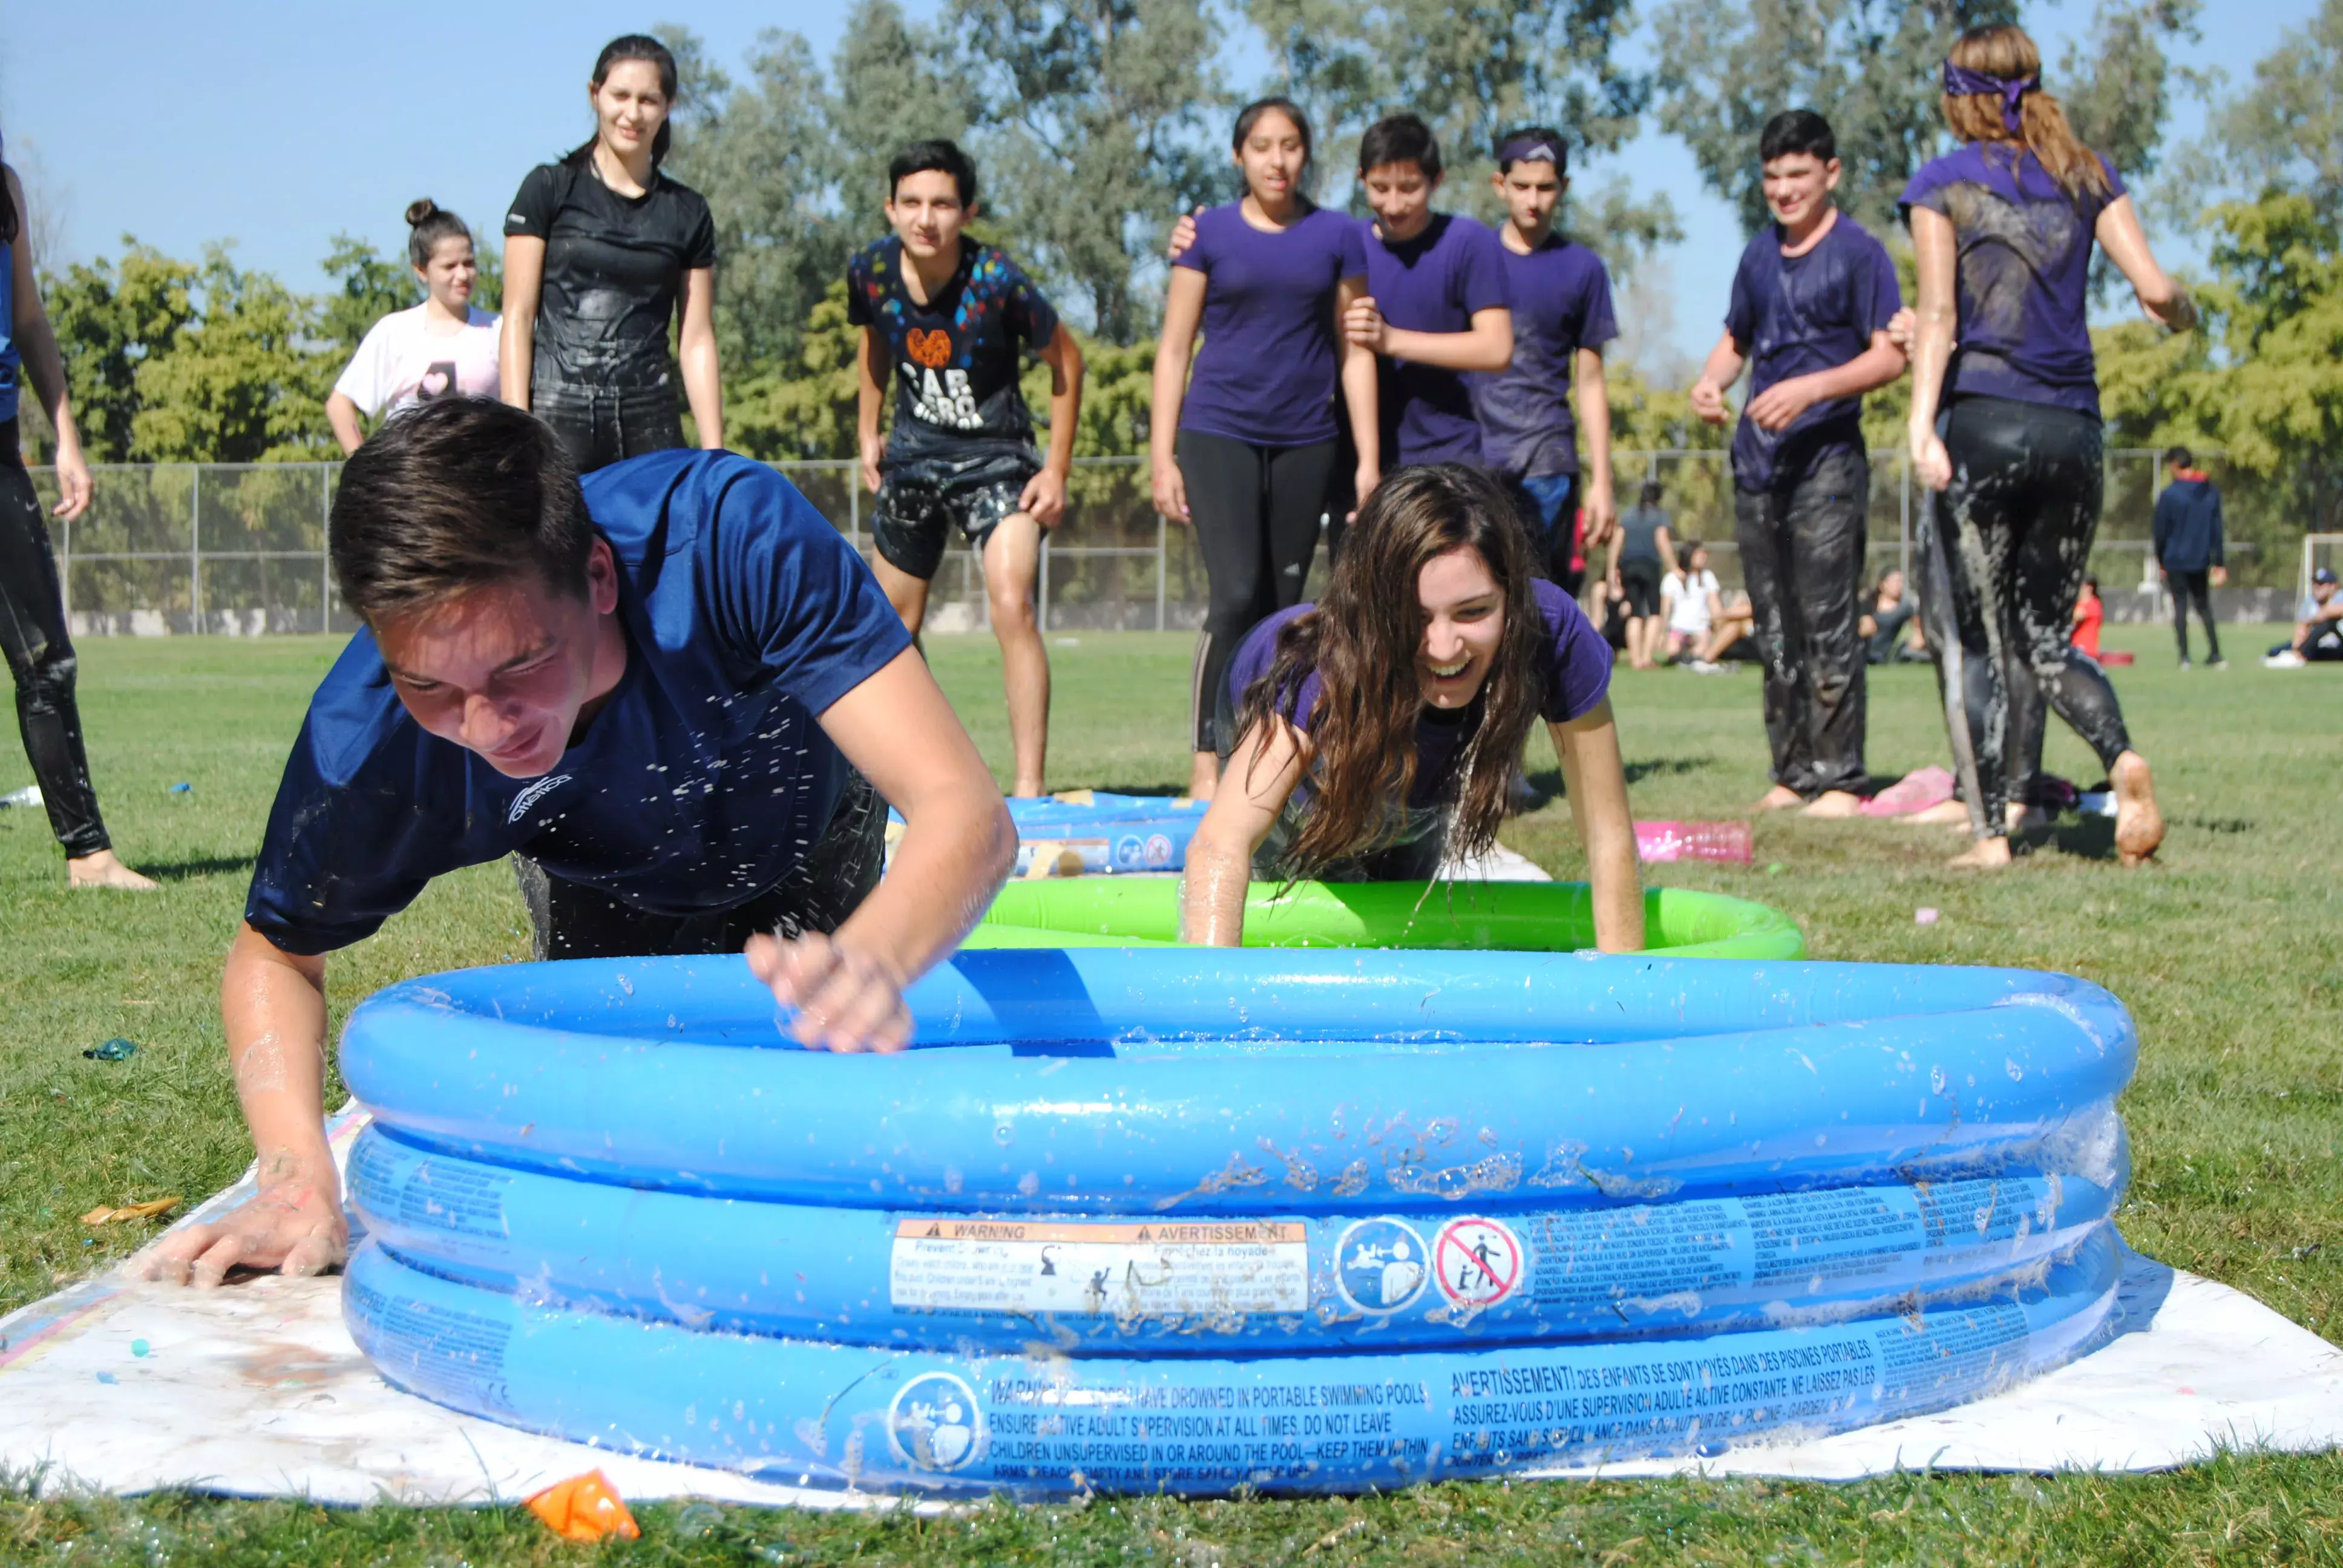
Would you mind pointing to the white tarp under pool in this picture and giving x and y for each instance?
(257, 1390)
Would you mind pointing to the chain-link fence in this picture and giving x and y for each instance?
(239, 548)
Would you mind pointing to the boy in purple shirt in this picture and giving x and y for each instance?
(1561, 318)
(1437, 306)
(1810, 312)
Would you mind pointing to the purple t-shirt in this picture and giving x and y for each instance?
(1266, 372)
(1573, 660)
(1792, 315)
(1433, 283)
(1562, 304)
(2024, 247)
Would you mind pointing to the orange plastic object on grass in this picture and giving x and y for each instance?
(585, 1508)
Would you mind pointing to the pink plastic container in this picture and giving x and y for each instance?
(1661, 841)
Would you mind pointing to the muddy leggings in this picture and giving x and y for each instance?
(2004, 551)
(41, 658)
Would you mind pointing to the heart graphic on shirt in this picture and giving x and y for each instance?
(932, 350)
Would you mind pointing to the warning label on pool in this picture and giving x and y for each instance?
(1133, 1269)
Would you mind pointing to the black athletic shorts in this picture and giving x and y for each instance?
(1639, 583)
(922, 499)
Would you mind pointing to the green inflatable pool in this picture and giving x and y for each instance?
(1522, 917)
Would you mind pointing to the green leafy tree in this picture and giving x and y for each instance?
(368, 286)
(2285, 132)
(1869, 67)
(111, 319)
(894, 82)
(1090, 117)
(240, 384)
(762, 154)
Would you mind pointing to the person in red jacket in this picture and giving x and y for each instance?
(2090, 610)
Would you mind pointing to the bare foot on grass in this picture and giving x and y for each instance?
(1943, 814)
(105, 870)
(1780, 798)
(1835, 803)
(1984, 855)
(2139, 825)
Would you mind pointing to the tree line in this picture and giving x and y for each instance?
(1097, 120)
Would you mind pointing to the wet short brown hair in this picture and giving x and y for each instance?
(456, 494)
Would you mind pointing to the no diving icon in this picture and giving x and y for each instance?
(1477, 1262)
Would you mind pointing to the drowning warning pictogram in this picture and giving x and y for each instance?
(1477, 1262)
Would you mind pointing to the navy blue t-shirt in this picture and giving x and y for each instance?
(2023, 329)
(701, 783)
(1562, 304)
(1792, 315)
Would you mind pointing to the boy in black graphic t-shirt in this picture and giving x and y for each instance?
(952, 317)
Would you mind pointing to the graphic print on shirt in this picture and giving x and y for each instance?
(957, 356)
(439, 380)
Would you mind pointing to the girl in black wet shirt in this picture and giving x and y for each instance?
(601, 252)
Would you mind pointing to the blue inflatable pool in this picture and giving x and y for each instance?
(1284, 1220)
(1096, 832)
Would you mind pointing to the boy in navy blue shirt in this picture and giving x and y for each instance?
(2190, 552)
(1561, 318)
(668, 694)
(1810, 312)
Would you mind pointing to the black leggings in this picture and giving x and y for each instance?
(2004, 553)
(1256, 510)
(2196, 586)
(41, 658)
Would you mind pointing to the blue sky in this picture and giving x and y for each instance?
(278, 125)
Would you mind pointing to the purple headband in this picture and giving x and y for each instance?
(1526, 149)
(1961, 82)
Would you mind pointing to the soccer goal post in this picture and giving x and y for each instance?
(2318, 550)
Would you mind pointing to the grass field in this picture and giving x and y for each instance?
(2229, 953)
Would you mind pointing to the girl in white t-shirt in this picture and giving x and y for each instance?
(1692, 602)
(442, 347)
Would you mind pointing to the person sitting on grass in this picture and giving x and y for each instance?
(1693, 606)
(2090, 614)
(2318, 635)
(1734, 633)
(675, 695)
(1882, 625)
(1373, 736)
(951, 315)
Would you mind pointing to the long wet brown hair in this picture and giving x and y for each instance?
(1361, 642)
(2007, 52)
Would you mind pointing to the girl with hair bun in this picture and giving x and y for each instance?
(1374, 734)
(443, 348)
(603, 252)
(2006, 427)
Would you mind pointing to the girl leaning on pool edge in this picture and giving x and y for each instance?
(1374, 734)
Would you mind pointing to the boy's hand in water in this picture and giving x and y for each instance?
(846, 1000)
(293, 1225)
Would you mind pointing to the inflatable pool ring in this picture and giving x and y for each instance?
(1323, 1222)
(1095, 832)
(1533, 916)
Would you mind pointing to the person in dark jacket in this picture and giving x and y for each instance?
(2188, 550)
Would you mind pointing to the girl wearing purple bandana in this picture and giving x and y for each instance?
(2005, 424)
